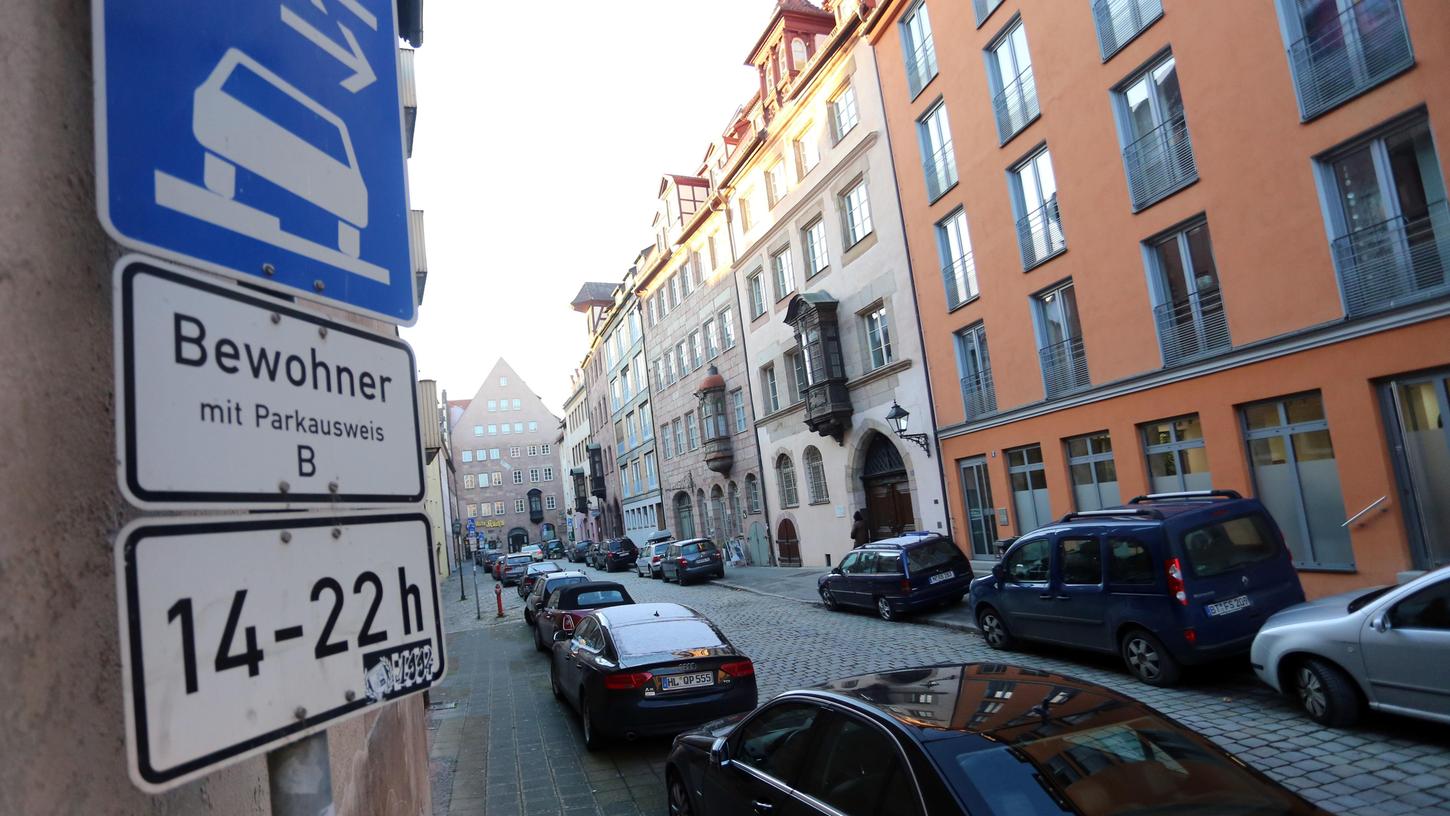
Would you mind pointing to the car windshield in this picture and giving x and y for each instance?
(1368, 597)
(931, 555)
(555, 583)
(665, 636)
(598, 597)
(519, 559)
(1224, 546)
(1141, 766)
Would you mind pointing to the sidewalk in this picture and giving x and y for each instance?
(799, 584)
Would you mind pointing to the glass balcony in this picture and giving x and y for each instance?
(1039, 233)
(979, 394)
(1395, 262)
(941, 171)
(1016, 105)
(921, 66)
(1160, 162)
(1119, 21)
(1064, 367)
(1192, 327)
(1350, 53)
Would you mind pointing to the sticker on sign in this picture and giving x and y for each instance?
(230, 400)
(239, 635)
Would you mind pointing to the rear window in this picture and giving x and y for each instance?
(555, 583)
(933, 554)
(1224, 546)
(689, 549)
(707, 546)
(618, 545)
(597, 597)
(665, 636)
(520, 559)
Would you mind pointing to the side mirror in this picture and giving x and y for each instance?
(719, 753)
(999, 572)
(1382, 623)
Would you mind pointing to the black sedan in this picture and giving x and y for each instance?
(532, 573)
(578, 550)
(617, 554)
(982, 738)
(566, 605)
(649, 669)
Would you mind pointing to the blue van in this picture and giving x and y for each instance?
(1168, 580)
(899, 575)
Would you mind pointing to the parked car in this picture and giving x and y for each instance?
(983, 738)
(1387, 648)
(1168, 580)
(897, 576)
(553, 548)
(591, 557)
(545, 584)
(658, 537)
(534, 551)
(567, 605)
(642, 669)
(618, 553)
(685, 561)
(533, 572)
(578, 550)
(486, 558)
(650, 556)
(511, 569)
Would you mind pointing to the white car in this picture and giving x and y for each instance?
(533, 550)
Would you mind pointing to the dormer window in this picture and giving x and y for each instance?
(798, 53)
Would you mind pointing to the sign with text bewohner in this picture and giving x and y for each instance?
(226, 399)
(242, 634)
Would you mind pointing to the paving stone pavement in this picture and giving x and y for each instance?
(500, 744)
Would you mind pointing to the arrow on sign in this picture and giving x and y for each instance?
(351, 56)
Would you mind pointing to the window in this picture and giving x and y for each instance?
(504, 429)
(1014, 91)
(679, 428)
(917, 46)
(856, 209)
(878, 337)
(533, 426)
(814, 240)
(697, 356)
(1158, 154)
(650, 471)
(653, 313)
(1092, 470)
(692, 430)
(1223, 546)
(533, 475)
(799, 380)
(774, 742)
(1060, 346)
(668, 440)
(752, 494)
(1119, 22)
(629, 425)
(938, 158)
(498, 508)
(775, 182)
(737, 402)
(1029, 488)
(784, 275)
(551, 503)
(497, 478)
(768, 387)
(712, 339)
(675, 293)
(503, 382)
(1428, 608)
(727, 329)
(548, 474)
(670, 378)
(1029, 563)
(743, 203)
(1388, 213)
(492, 406)
(1344, 48)
(1297, 479)
(468, 456)
(757, 294)
(514, 452)
(687, 276)
(518, 505)
(815, 476)
(545, 449)
(478, 430)
(1039, 222)
(1129, 563)
(807, 151)
(714, 423)
(979, 393)
(983, 9)
(473, 510)
(1189, 306)
(493, 454)
(857, 770)
(1177, 460)
(469, 481)
(785, 476)
(518, 477)
(1081, 561)
(518, 405)
(634, 473)
(844, 115)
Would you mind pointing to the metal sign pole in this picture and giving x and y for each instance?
(299, 777)
(477, 605)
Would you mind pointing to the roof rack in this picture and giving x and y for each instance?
(1187, 495)
(1121, 511)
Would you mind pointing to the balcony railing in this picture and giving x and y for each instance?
(1192, 327)
(941, 171)
(921, 66)
(960, 277)
(1119, 21)
(979, 394)
(1040, 234)
(1064, 367)
(1395, 262)
(1016, 105)
(1363, 46)
(984, 8)
(1160, 162)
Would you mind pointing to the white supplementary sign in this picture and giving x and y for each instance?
(226, 399)
(242, 634)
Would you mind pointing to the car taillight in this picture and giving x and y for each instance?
(1190, 636)
(1175, 581)
(739, 668)
(566, 622)
(624, 681)
(905, 585)
(684, 562)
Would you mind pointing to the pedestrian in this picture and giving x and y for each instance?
(859, 534)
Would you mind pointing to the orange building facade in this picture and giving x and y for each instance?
(1177, 245)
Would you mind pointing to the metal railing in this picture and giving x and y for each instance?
(1395, 262)
(941, 171)
(1016, 104)
(1064, 367)
(1192, 326)
(979, 394)
(921, 66)
(960, 277)
(984, 8)
(1349, 54)
(1160, 162)
(1039, 233)
(1119, 21)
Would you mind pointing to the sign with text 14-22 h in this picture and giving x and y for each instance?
(242, 634)
(260, 139)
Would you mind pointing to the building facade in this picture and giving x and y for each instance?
(574, 458)
(1205, 249)
(825, 290)
(440, 499)
(631, 414)
(504, 452)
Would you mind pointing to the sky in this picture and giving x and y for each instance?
(543, 131)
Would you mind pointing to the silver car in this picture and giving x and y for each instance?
(1388, 648)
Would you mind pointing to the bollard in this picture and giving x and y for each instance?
(498, 595)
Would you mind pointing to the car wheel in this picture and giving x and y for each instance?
(1148, 661)
(679, 796)
(994, 629)
(1325, 693)
(554, 680)
(528, 618)
(593, 740)
(720, 576)
(883, 608)
(539, 641)
(829, 599)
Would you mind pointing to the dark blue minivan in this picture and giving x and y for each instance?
(895, 576)
(1168, 580)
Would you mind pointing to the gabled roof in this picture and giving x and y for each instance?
(795, 8)
(683, 181)
(593, 293)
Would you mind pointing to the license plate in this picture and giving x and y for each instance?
(1227, 607)
(942, 576)
(679, 681)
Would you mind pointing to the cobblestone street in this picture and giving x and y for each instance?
(501, 745)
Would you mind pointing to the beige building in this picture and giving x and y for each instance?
(440, 500)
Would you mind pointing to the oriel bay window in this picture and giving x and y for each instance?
(818, 337)
(1188, 304)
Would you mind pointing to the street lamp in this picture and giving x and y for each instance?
(898, 418)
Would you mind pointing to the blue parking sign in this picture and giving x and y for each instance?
(260, 139)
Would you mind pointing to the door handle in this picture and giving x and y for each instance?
(763, 807)
(1046, 596)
